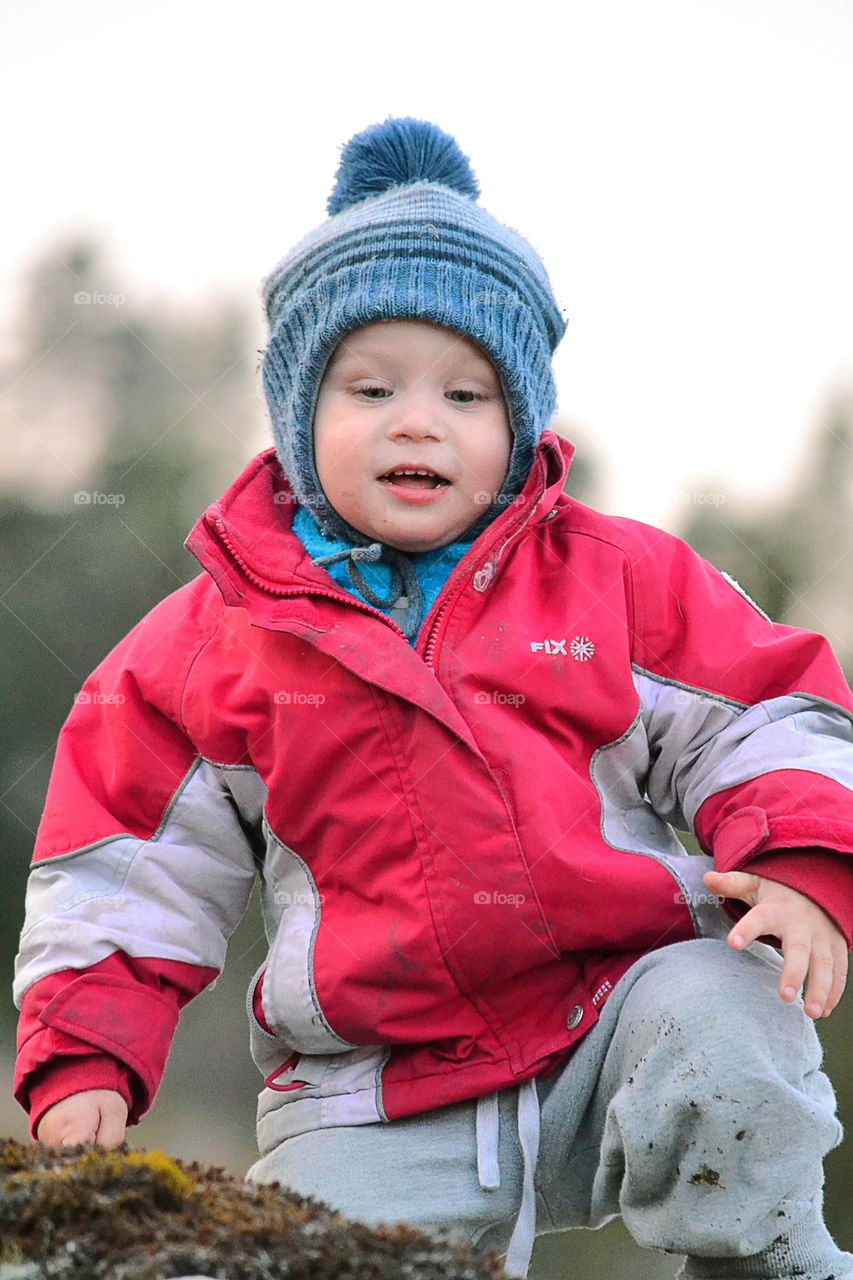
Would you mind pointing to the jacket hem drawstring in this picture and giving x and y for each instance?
(520, 1248)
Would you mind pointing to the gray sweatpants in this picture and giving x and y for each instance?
(695, 1108)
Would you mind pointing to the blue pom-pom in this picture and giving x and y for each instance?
(399, 151)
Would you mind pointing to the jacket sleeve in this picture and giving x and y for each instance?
(141, 872)
(749, 726)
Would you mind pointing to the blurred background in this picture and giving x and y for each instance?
(680, 167)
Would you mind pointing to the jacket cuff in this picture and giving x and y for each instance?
(824, 875)
(120, 1019)
(750, 830)
(63, 1077)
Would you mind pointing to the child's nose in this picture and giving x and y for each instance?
(417, 417)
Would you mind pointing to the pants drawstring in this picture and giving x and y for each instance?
(521, 1242)
(488, 1168)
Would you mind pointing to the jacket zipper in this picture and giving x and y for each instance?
(298, 591)
(486, 574)
(432, 639)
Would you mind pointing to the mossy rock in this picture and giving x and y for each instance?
(85, 1213)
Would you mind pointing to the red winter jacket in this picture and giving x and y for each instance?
(464, 843)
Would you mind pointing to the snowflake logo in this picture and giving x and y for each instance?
(582, 648)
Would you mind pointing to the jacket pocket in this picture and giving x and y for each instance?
(314, 1091)
(291, 1003)
(297, 1072)
(267, 1049)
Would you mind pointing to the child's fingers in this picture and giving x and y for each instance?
(821, 972)
(827, 976)
(60, 1129)
(796, 942)
(841, 969)
(55, 1134)
(755, 923)
(732, 884)
(821, 965)
(813, 948)
(94, 1115)
(112, 1125)
(806, 958)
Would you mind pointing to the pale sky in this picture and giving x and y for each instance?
(682, 166)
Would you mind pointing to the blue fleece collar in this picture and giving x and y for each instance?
(432, 568)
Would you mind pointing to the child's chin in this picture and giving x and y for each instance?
(415, 545)
(430, 537)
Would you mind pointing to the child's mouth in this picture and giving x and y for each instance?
(407, 478)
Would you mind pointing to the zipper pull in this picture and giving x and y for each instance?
(483, 577)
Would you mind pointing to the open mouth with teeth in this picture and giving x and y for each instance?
(414, 478)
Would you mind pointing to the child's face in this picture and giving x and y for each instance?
(409, 393)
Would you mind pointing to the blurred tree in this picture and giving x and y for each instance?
(796, 558)
(582, 481)
(122, 424)
(817, 535)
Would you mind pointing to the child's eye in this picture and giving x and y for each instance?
(462, 391)
(369, 392)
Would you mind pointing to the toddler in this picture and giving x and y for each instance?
(454, 720)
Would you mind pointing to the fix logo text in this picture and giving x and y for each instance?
(550, 646)
(581, 648)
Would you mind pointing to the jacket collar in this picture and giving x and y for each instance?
(246, 542)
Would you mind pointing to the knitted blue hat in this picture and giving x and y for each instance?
(405, 239)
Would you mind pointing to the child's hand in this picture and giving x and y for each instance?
(96, 1115)
(812, 943)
